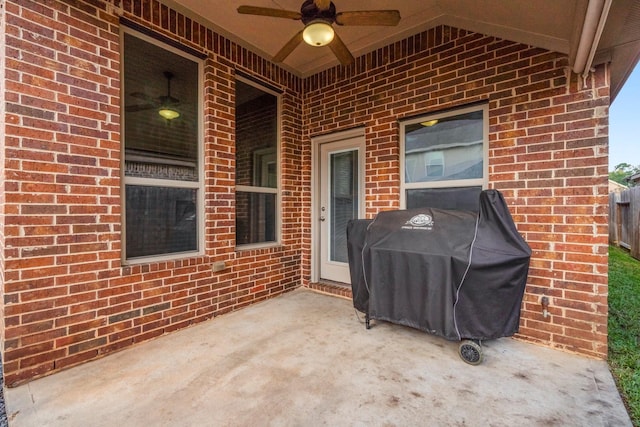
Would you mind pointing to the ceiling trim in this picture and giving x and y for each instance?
(161, 37)
(509, 33)
(504, 32)
(587, 38)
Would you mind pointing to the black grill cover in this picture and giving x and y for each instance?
(457, 274)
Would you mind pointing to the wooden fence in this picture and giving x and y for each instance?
(624, 220)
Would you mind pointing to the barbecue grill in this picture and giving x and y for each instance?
(456, 274)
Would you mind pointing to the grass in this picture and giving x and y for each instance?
(624, 327)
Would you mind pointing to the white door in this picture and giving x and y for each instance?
(341, 167)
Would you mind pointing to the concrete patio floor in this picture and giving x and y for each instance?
(304, 359)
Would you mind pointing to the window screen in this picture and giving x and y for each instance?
(444, 159)
(161, 148)
(256, 164)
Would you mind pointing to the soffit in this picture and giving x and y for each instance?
(550, 24)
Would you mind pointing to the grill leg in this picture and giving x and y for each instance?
(367, 321)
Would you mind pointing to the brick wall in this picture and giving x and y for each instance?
(67, 297)
(547, 154)
(2, 161)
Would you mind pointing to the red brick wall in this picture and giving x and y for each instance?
(68, 299)
(547, 153)
(2, 169)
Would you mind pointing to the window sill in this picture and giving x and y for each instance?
(258, 246)
(161, 258)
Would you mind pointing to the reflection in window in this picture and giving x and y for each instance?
(255, 213)
(160, 220)
(256, 164)
(435, 164)
(456, 141)
(444, 152)
(161, 146)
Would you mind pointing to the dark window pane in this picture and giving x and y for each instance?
(256, 136)
(255, 218)
(446, 149)
(156, 78)
(256, 164)
(463, 198)
(160, 220)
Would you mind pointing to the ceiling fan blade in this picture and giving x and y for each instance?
(267, 11)
(369, 17)
(168, 100)
(288, 48)
(341, 51)
(144, 97)
(138, 107)
(322, 4)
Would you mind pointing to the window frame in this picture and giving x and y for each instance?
(454, 183)
(157, 182)
(265, 190)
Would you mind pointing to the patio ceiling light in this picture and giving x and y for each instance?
(430, 123)
(168, 113)
(318, 33)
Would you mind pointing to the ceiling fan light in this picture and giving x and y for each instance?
(430, 123)
(318, 33)
(168, 113)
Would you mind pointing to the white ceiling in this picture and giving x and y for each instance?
(551, 24)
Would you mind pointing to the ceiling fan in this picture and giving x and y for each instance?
(318, 16)
(165, 104)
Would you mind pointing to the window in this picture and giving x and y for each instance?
(161, 89)
(257, 135)
(445, 159)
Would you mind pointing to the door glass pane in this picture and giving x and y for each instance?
(343, 200)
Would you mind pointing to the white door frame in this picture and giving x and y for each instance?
(315, 190)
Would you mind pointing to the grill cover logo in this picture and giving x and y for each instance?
(419, 222)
